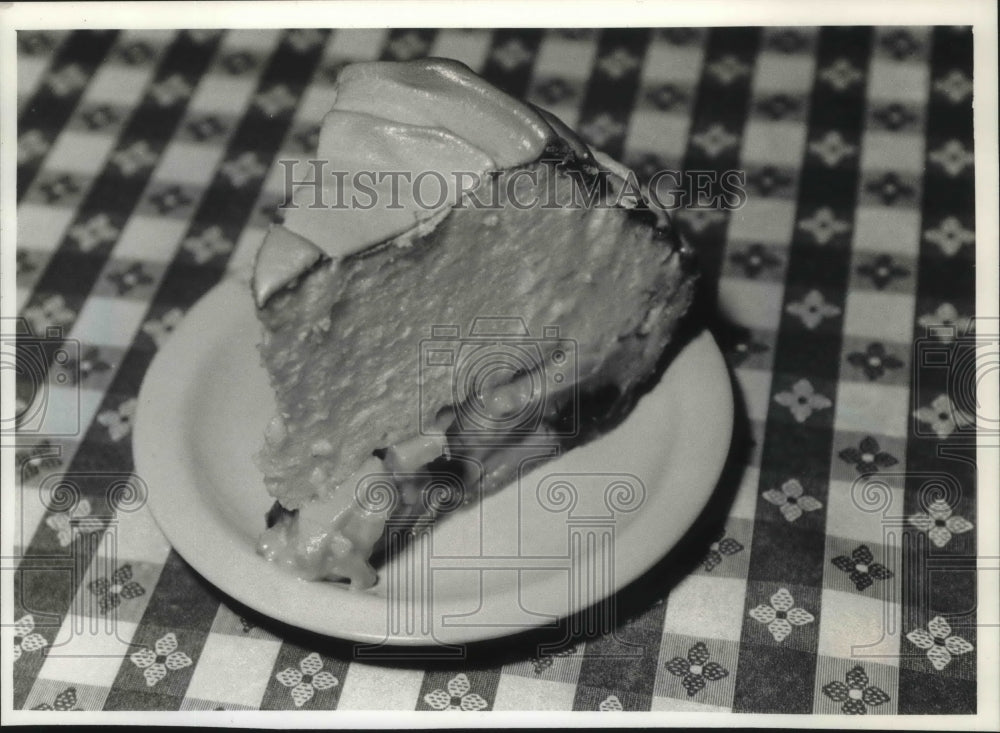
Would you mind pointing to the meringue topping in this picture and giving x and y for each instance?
(426, 116)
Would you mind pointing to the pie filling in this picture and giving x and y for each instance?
(341, 537)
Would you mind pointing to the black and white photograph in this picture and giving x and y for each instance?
(409, 364)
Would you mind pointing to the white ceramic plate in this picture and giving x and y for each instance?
(569, 534)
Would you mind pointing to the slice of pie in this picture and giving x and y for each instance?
(467, 281)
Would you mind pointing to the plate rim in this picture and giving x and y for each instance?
(156, 447)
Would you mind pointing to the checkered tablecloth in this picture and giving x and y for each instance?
(839, 581)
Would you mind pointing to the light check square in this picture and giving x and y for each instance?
(233, 670)
(868, 509)
(859, 628)
(770, 220)
(706, 607)
(94, 656)
(465, 45)
(515, 692)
